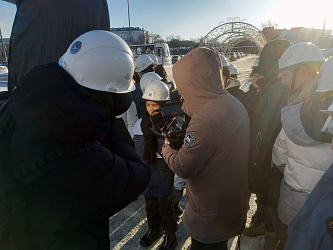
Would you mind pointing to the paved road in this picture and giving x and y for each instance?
(129, 225)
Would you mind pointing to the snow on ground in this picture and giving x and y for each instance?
(129, 225)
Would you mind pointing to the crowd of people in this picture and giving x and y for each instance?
(79, 141)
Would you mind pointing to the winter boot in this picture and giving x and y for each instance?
(169, 242)
(256, 229)
(150, 237)
(271, 240)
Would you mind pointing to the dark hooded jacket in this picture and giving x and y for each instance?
(95, 171)
(266, 125)
(251, 101)
(213, 159)
(43, 30)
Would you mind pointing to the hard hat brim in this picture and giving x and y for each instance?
(130, 88)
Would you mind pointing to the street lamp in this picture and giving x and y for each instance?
(129, 21)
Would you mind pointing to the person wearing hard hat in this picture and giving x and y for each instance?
(264, 181)
(145, 80)
(225, 70)
(312, 226)
(232, 85)
(213, 159)
(159, 68)
(73, 163)
(300, 151)
(144, 83)
(143, 65)
(149, 146)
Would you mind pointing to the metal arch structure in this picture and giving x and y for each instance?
(226, 35)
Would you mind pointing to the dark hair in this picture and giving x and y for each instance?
(150, 68)
(234, 76)
(160, 70)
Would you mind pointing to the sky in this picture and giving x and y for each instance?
(195, 18)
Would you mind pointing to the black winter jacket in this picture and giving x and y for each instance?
(69, 207)
(265, 126)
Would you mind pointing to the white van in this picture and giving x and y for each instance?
(160, 50)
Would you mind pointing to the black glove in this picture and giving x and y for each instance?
(175, 197)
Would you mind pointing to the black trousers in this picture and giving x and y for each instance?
(263, 215)
(160, 213)
(196, 245)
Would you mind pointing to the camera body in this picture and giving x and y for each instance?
(174, 130)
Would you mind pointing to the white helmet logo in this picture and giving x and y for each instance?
(76, 47)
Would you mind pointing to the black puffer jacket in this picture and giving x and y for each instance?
(69, 207)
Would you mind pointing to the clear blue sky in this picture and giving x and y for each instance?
(195, 18)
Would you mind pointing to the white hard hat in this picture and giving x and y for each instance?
(100, 60)
(299, 53)
(233, 69)
(154, 58)
(156, 91)
(142, 62)
(224, 61)
(325, 77)
(256, 63)
(147, 78)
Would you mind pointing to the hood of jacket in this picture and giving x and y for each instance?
(50, 105)
(198, 77)
(292, 125)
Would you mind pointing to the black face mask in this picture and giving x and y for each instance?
(116, 103)
(121, 103)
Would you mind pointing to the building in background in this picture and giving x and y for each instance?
(139, 35)
(6, 45)
(301, 34)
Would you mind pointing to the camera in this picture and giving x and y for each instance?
(174, 129)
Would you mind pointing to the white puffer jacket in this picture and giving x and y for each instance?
(305, 162)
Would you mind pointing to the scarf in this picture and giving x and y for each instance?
(150, 139)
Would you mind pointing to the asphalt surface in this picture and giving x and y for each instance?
(129, 225)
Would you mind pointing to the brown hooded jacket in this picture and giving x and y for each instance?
(213, 159)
